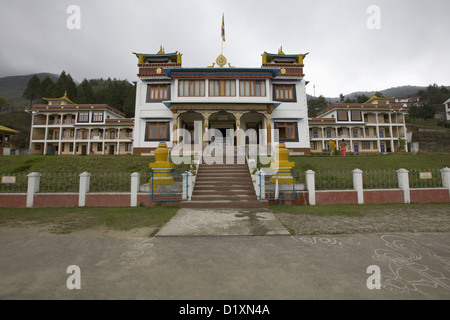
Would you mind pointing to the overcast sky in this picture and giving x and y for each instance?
(352, 46)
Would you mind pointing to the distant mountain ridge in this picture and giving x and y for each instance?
(12, 87)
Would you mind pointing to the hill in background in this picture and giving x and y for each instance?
(11, 88)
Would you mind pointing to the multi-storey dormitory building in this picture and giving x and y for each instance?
(377, 126)
(222, 97)
(63, 127)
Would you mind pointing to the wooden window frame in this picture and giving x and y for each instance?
(290, 129)
(284, 90)
(97, 116)
(365, 145)
(191, 88)
(222, 88)
(158, 92)
(157, 131)
(356, 116)
(252, 88)
(82, 116)
(342, 115)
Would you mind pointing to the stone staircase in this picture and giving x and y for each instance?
(224, 186)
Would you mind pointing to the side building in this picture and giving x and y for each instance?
(376, 126)
(197, 100)
(63, 127)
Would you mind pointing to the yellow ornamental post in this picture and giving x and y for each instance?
(282, 166)
(161, 167)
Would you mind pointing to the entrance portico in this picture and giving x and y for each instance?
(222, 126)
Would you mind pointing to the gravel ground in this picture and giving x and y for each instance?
(391, 220)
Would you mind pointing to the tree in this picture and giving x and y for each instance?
(33, 89)
(47, 87)
(65, 84)
(85, 94)
(4, 105)
(315, 105)
(341, 97)
(60, 86)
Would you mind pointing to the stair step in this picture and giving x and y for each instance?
(206, 192)
(225, 204)
(236, 197)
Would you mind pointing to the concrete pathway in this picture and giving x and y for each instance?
(223, 222)
(412, 266)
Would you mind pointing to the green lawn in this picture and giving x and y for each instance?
(67, 220)
(78, 164)
(372, 162)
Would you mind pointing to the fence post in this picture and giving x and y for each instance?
(33, 187)
(135, 181)
(187, 186)
(446, 178)
(262, 185)
(311, 187)
(403, 183)
(358, 184)
(85, 179)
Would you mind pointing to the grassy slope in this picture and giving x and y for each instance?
(373, 162)
(130, 164)
(78, 164)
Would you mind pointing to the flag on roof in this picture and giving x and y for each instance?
(223, 28)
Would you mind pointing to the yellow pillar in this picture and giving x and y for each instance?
(282, 166)
(161, 167)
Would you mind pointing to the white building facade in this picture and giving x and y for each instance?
(225, 105)
(65, 128)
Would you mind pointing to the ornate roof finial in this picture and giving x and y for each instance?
(161, 50)
(280, 51)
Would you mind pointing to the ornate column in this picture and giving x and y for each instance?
(206, 116)
(268, 128)
(175, 127)
(238, 116)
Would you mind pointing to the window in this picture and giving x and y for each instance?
(252, 88)
(315, 134)
(191, 88)
(365, 145)
(287, 131)
(157, 92)
(356, 116)
(284, 92)
(381, 133)
(129, 133)
(355, 133)
(72, 133)
(83, 117)
(328, 133)
(313, 145)
(99, 147)
(375, 145)
(157, 131)
(222, 88)
(112, 134)
(37, 147)
(97, 116)
(342, 116)
(128, 146)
